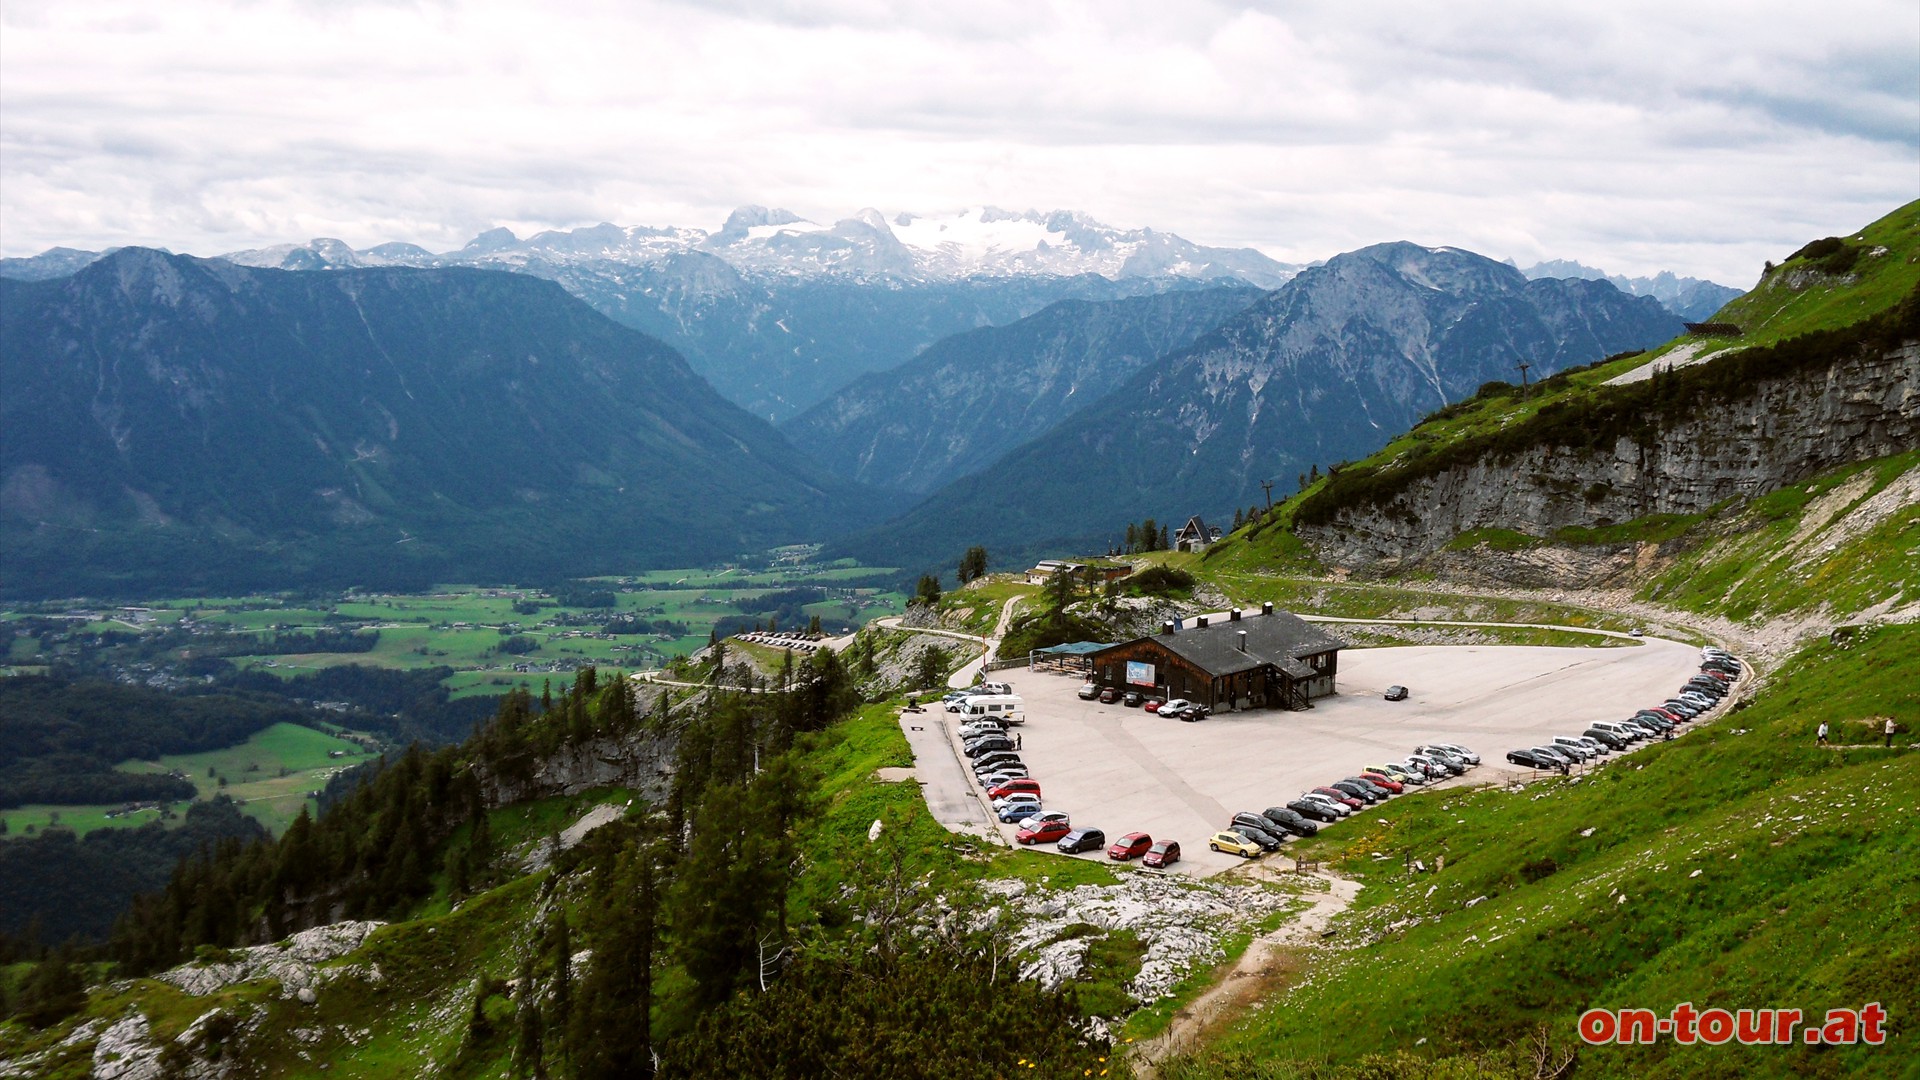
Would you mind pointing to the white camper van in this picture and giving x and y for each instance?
(1006, 708)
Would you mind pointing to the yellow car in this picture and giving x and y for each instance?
(1234, 843)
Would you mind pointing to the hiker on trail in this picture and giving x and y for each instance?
(1889, 731)
(1823, 733)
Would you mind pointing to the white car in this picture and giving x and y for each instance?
(1045, 816)
(1318, 799)
(1018, 798)
(1174, 705)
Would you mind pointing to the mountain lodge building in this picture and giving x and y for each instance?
(1266, 659)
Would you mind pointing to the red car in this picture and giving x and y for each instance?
(1384, 781)
(1340, 797)
(1131, 846)
(1043, 833)
(1109, 696)
(1153, 704)
(1026, 786)
(1164, 853)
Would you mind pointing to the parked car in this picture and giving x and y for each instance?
(1573, 746)
(1399, 772)
(1109, 695)
(1606, 738)
(1396, 693)
(1173, 706)
(1132, 699)
(1532, 759)
(979, 728)
(1317, 811)
(1340, 809)
(1383, 780)
(1459, 751)
(1267, 841)
(987, 744)
(1080, 840)
(1015, 813)
(1560, 754)
(1163, 854)
(1338, 796)
(1379, 793)
(995, 759)
(1431, 762)
(1233, 844)
(994, 688)
(1153, 704)
(1060, 816)
(1289, 821)
(1131, 846)
(1088, 691)
(1193, 713)
(1251, 820)
(1356, 791)
(995, 779)
(1041, 832)
(1028, 785)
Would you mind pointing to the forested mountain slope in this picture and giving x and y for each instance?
(176, 423)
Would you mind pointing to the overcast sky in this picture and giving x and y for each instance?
(1634, 136)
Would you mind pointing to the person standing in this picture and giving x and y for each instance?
(1889, 731)
(1823, 733)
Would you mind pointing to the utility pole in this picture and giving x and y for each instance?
(1268, 485)
(1523, 373)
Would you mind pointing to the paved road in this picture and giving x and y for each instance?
(947, 785)
(1124, 769)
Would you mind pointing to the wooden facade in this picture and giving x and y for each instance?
(1262, 660)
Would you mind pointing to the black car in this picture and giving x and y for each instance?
(987, 746)
(1681, 708)
(997, 759)
(1266, 840)
(1313, 810)
(1396, 693)
(1380, 794)
(1290, 821)
(1080, 840)
(1364, 794)
(1252, 821)
(1194, 713)
(1534, 759)
(1133, 699)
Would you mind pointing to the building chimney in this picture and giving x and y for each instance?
(1266, 608)
(1243, 641)
(1201, 622)
(1234, 615)
(1167, 627)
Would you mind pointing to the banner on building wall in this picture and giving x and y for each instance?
(1139, 674)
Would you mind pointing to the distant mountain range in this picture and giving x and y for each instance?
(1325, 369)
(969, 399)
(174, 422)
(1692, 299)
(778, 312)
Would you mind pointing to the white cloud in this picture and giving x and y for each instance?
(1639, 136)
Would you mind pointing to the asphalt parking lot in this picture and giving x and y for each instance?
(1121, 769)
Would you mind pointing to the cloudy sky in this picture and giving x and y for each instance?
(1701, 137)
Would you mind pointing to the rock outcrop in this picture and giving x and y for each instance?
(1781, 431)
(638, 760)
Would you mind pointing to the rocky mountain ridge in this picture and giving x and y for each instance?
(1784, 429)
(1693, 299)
(1325, 369)
(968, 399)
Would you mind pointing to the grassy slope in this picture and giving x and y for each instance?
(1806, 896)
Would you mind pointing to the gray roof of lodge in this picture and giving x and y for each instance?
(1280, 639)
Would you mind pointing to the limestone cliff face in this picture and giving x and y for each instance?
(1779, 432)
(635, 760)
